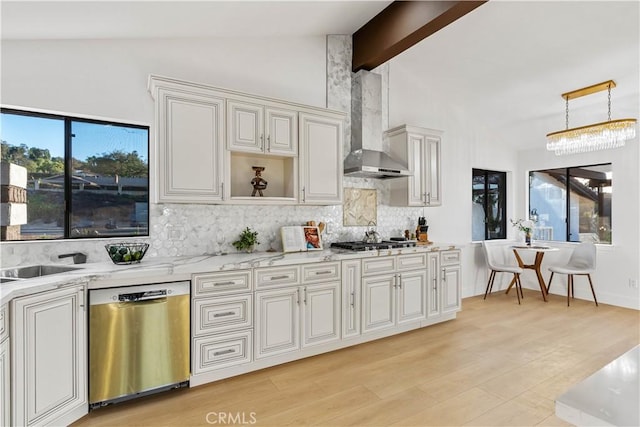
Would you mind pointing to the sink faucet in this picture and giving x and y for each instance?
(78, 257)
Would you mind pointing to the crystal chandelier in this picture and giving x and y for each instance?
(598, 136)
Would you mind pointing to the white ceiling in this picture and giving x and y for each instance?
(506, 63)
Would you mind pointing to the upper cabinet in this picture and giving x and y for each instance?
(297, 148)
(190, 139)
(420, 147)
(321, 159)
(260, 128)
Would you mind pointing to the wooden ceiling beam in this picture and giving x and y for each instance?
(401, 25)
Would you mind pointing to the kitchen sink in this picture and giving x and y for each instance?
(9, 274)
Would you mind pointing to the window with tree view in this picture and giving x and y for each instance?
(572, 204)
(79, 178)
(489, 193)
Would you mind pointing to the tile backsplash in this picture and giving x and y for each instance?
(178, 229)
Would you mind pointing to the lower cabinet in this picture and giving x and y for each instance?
(5, 369)
(294, 317)
(444, 283)
(351, 300)
(49, 357)
(397, 297)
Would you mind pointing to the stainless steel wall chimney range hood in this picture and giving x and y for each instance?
(366, 159)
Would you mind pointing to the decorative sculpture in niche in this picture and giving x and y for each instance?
(258, 182)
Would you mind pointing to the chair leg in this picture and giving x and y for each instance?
(568, 288)
(592, 291)
(550, 279)
(489, 283)
(517, 277)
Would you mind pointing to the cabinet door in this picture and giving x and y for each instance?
(277, 321)
(433, 284)
(282, 131)
(320, 313)
(49, 357)
(190, 130)
(5, 373)
(378, 302)
(416, 154)
(451, 288)
(432, 171)
(320, 160)
(245, 127)
(412, 287)
(351, 277)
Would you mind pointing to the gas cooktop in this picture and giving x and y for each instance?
(364, 246)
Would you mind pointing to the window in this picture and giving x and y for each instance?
(84, 178)
(572, 204)
(489, 193)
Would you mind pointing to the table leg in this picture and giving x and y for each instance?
(537, 265)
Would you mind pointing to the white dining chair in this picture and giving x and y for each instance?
(581, 263)
(498, 265)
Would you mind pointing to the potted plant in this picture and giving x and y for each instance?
(526, 226)
(247, 241)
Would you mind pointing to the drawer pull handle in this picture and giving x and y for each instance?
(230, 282)
(284, 276)
(223, 352)
(226, 313)
(324, 272)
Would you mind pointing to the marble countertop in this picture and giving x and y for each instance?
(609, 397)
(163, 269)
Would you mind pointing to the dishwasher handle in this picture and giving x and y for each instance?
(142, 296)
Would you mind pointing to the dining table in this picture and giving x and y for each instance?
(539, 250)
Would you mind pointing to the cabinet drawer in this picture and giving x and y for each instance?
(450, 257)
(277, 276)
(321, 272)
(4, 322)
(221, 351)
(220, 314)
(412, 262)
(378, 265)
(222, 283)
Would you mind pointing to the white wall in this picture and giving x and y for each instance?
(467, 144)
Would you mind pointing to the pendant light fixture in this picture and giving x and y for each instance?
(598, 136)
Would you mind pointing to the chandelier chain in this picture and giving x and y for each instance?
(567, 114)
(609, 102)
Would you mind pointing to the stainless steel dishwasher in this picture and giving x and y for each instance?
(138, 341)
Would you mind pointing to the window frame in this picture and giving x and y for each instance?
(567, 188)
(504, 193)
(67, 120)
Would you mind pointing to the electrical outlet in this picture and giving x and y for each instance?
(633, 283)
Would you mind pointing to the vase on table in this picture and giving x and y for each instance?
(527, 238)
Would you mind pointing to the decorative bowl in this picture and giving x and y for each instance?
(126, 253)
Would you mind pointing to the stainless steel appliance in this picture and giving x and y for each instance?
(372, 246)
(138, 341)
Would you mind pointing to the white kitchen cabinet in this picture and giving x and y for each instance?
(222, 322)
(444, 283)
(5, 369)
(351, 300)
(5, 383)
(254, 127)
(49, 357)
(293, 317)
(378, 305)
(320, 313)
(189, 133)
(321, 159)
(277, 321)
(394, 291)
(420, 148)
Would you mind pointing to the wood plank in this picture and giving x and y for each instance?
(401, 25)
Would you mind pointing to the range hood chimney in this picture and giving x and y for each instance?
(366, 159)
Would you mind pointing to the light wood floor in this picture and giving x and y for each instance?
(497, 364)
